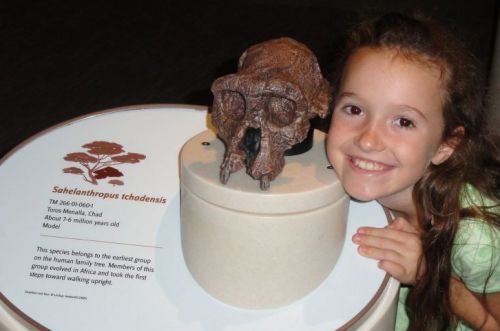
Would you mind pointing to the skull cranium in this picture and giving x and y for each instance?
(265, 108)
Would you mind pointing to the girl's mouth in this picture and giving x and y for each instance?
(368, 165)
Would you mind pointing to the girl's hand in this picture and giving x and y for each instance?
(397, 247)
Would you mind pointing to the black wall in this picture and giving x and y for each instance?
(61, 59)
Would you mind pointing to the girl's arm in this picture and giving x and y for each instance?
(480, 312)
(399, 249)
(492, 303)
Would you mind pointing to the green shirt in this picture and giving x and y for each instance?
(475, 256)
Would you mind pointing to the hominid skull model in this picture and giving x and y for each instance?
(265, 108)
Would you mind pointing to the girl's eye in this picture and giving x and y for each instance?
(404, 123)
(353, 110)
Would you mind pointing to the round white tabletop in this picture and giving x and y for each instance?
(90, 240)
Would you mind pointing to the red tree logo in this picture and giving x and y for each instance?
(97, 163)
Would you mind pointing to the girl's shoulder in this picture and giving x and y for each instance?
(472, 230)
(471, 196)
(476, 250)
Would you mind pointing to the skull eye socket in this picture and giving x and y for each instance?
(281, 110)
(232, 104)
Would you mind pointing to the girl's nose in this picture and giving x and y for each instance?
(370, 139)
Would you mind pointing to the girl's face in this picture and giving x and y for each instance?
(387, 126)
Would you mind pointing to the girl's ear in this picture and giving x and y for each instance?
(446, 149)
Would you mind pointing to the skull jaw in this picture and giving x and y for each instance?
(263, 159)
(234, 164)
(264, 179)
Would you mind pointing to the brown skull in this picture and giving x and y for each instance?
(266, 107)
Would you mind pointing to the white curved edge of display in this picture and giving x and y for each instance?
(379, 315)
(13, 319)
(375, 318)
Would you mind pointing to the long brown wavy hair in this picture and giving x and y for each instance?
(476, 159)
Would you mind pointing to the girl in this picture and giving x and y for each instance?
(408, 130)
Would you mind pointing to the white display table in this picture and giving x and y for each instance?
(90, 239)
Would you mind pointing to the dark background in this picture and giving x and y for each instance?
(62, 59)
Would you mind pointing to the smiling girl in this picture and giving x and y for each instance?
(408, 130)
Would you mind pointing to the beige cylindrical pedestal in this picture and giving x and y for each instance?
(260, 249)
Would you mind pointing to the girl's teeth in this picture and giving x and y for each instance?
(365, 165)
